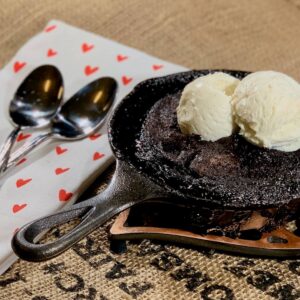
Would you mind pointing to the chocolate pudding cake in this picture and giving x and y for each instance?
(230, 169)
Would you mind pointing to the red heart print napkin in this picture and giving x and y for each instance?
(55, 174)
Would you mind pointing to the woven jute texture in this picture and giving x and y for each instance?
(243, 34)
(248, 35)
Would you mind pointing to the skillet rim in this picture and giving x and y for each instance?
(211, 203)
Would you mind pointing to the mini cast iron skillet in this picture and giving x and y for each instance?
(134, 181)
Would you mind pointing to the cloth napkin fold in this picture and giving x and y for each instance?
(55, 174)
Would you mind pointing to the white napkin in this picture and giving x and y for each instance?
(55, 174)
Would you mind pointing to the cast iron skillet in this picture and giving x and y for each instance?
(134, 180)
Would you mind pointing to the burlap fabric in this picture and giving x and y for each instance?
(249, 35)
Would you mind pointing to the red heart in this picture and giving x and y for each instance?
(60, 150)
(18, 65)
(16, 208)
(126, 80)
(51, 52)
(88, 70)
(50, 28)
(22, 136)
(21, 182)
(63, 195)
(97, 155)
(157, 67)
(94, 136)
(59, 171)
(21, 161)
(121, 57)
(87, 47)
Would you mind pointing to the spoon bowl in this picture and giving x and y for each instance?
(79, 117)
(86, 110)
(35, 103)
(38, 98)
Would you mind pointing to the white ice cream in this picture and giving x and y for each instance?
(266, 107)
(205, 106)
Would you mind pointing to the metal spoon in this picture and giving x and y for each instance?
(81, 115)
(35, 103)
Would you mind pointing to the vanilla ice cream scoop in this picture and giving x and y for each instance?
(205, 106)
(266, 107)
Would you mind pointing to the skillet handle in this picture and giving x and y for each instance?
(24, 241)
(126, 188)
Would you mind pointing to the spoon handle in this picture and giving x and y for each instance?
(6, 148)
(20, 153)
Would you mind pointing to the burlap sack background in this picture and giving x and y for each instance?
(249, 35)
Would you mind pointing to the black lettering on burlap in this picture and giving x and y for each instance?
(146, 247)
(285, 292)
(54, 268)
(92, 253)
(16, 277)
(76, 284)
(294, 267)
(194, 278)
(135, 289)
(239, 269)
(87, 248)
(262, 280)
(118, 271)
(166, 261)
(39, 298)
(96, 262)
(206, 294)
(90, 296)
(246, 263)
